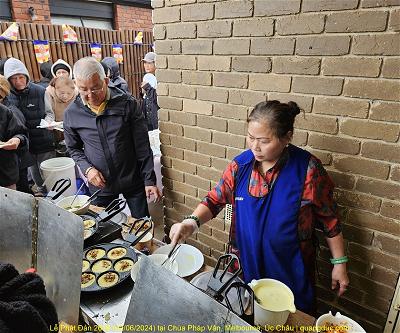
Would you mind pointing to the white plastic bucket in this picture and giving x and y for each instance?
(54, 169)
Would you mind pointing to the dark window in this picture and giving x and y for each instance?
(5, 12)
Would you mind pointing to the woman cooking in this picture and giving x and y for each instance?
(280, 194)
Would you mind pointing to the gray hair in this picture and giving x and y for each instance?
(86, 67)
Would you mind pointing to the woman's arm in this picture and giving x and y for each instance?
(339, 271)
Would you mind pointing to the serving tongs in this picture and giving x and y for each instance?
(241, 312)
(140, 230)
(216, 286)
(59, 187)
(116, 206)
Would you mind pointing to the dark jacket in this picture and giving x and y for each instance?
(9, 128)
(115, 142)
(150, 107)
(31, 102)
(115, 79)
(45, 71)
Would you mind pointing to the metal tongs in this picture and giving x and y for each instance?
(172, 254)
(141, 231)
(248, 317)
(216, 286)
(116, 206)
(59, 187)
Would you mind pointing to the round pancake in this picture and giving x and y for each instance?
(96, 253)
(101, 266)
(89, 223)
(124, 265)
(85, 265)
(108, 279)
(87, 279)
(87, 233)
(116, 253)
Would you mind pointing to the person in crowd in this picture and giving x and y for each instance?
(2, 62)
(149, 87)
(30, 99)
(61, 68)
(113, 73)
(12, 135)
(106, 135)
(24, 157)
(280, 193)
(45, 71)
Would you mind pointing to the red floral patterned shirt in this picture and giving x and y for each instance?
(318, 209)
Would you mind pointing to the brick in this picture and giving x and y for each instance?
(387, 244)
(317, 123)
(161, 61)
(358, 235)
(381, 151)
(324, 157)
(272, 46)
(254, 27)
(357, 200)
(222, 236)
(185, 189)
(395, 173)
(198, 46)
(178, 2)
(230, 111)
(231, 153)
(269, 82)
(191, 202)
(304, 102)
(334, 143)
(183, 91)
(376, 257)
(230, 80)
(351, 66)
(232, 46)
(197, 133)
(184, 166)
(163, 115)
(197, 182)
(212, 94)
(168, 75)
(172, 174)
(276, 7)
(172, 215)
(197, 12)
(209, 173)
(300, 25)
(182, 118)
(233, 9)
(165, 139)
(175, 196)
(237, 141)
(162, 89)
(379, 188)
(166, 161)
(251, 64)
(214, 123)
(203, 248)
(323, 5)
(172, 152)
(246, 97)
(214, 63)
(182, 142)
(317, 85)
(219, 164)
(214, 29)
(157, 3)
(171, 128)
(159, 31)
(376, 44)
(362, 166)
(394, 20)
(391, 68)
(383, 275)
(166, 15)
(197, 158)
(338, 106)
(358, 21)
(181, 30)
(212, 242)
(323, 45)
(196, 78)
(300, 138)
(237, 127)
(195, 106)
(182, 62)
(167, 102)
(295, 65)
(168, 46)
(372, 89)
(379, 3)
(370, 129)
(211, 149)
(342, 180)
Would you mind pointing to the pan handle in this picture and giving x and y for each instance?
(59, 187)
(248, 317)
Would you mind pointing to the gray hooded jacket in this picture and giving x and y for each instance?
(115, 79)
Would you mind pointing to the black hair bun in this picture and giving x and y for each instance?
(294, 108)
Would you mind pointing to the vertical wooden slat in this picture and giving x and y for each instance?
(32, 64)
(53, 45)
(80, 46)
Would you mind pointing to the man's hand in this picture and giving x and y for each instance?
(96, 178)
(11, 144)
(153, 191)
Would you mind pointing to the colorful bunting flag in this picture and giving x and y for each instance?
(42, 52)
(69, 34)
(11, 33)
(139, 38)
(117, 53)
(95, 49)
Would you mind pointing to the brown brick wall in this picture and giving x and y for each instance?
(136, 18)
(340, 61)
(19, 10)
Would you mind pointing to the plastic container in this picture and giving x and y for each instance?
(54, 169)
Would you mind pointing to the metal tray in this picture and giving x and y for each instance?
(89, 216)
(122, 276)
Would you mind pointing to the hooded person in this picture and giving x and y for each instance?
(45, 71)
(60, 68)
(29, 98)
(2, 62)
(113, 73)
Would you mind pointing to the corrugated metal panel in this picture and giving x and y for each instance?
(5, 12)
(81, 8)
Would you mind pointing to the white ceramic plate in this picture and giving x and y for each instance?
(189, 258)
(339, 320)
(158, 259)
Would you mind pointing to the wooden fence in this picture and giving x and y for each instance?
(131, 70)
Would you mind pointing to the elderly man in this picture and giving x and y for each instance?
(106, 135)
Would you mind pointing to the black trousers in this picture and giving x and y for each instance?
(23, 184)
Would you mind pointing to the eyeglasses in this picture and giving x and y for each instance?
(91, 91)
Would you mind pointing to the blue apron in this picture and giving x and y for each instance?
(267, 227)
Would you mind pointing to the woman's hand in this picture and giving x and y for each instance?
(11, 144)
(181, 231)
(339, 277)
